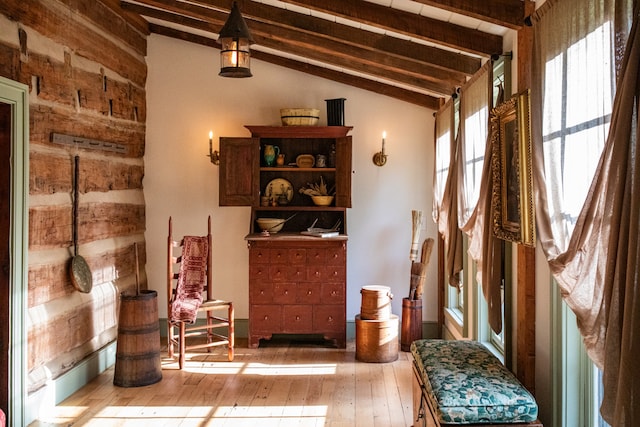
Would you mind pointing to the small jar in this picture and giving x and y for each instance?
(321, 161)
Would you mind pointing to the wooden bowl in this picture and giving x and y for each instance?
(322, 200)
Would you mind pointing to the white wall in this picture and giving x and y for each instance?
(186, 98)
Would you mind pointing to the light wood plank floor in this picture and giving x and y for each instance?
(281, 383)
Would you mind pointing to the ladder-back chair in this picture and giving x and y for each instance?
(192, 294)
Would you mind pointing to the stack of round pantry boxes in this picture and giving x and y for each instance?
(376, 326)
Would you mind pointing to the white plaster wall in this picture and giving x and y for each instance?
(186, 98)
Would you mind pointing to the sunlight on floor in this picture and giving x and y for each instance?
(279, 370)
(193, 415)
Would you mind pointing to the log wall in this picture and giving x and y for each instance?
(84, 62)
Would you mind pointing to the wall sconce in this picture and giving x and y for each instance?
(380, 158)
(214, 156)
(235, 39)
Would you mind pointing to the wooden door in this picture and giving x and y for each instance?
(239, 178)
(5, 185)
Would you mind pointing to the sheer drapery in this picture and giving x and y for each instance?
(596, 260)
(445, 212)
(474, 130)
(475, 188)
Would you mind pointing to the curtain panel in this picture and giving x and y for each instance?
(445, 212)
(594, 255)
(475, 189)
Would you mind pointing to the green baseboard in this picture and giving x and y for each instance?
(429, 329)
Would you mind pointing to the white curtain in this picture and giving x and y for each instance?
(588, 212)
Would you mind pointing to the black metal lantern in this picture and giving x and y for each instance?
(235, 38)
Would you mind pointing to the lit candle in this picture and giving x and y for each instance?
(210, 140)
(384, 136)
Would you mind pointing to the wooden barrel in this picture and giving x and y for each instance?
(411, 329)
(377, 340)
(376, 302)
(138, 350)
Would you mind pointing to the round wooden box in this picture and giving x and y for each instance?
(377, 340)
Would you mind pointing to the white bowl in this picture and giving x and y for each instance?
(272, 225)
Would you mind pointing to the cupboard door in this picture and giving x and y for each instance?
(239, 172)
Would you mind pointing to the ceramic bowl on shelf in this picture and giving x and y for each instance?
(272, 225)
(322, 200)
(305, 161)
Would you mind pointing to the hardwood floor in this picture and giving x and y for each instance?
(281, 383)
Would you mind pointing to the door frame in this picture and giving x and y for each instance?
(17, 95)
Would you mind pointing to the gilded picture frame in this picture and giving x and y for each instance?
(511, 163)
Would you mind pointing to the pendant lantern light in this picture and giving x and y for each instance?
(235, 39)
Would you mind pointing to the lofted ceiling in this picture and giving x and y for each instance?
(416, 51)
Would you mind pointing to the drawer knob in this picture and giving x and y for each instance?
(309, 292)
(334, 293)
(286, 292)
(261, 291)
(266, 317)
(330, 318)
(297, 317)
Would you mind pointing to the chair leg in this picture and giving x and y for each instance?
(182, 345)
(170, 339)
(231, 333)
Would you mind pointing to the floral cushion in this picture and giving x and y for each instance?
(467, 384)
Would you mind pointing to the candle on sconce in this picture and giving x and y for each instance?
(213, 155)
(384, 136)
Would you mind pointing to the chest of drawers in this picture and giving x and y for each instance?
(297, 286)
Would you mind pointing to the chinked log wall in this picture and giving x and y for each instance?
(84, 63)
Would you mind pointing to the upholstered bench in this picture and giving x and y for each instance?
(463, 383)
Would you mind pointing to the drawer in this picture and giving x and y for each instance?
(258, 256)
(296, 273)
(297, 318)
(329, 318)
(336, 255)
(316, 256)
(316, 273)
(260, 293)
(279, 256)
(265, 318)
(284, 293)
(333, 293)
(308, 293)
(278, 272)
(335, 273)
(297, 256)
(258, 272)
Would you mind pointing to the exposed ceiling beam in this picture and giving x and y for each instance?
(410, 24)
(506, 13)
(407, 72)
(355, 81)
(453, 62)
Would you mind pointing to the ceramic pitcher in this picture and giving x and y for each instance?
(270, 153)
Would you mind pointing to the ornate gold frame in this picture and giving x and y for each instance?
(512, 195)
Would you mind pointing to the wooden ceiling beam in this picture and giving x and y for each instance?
(435, 62)
(308, 46)
(401, 94)
(453, 62)
(410, 24)
(506, 13)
